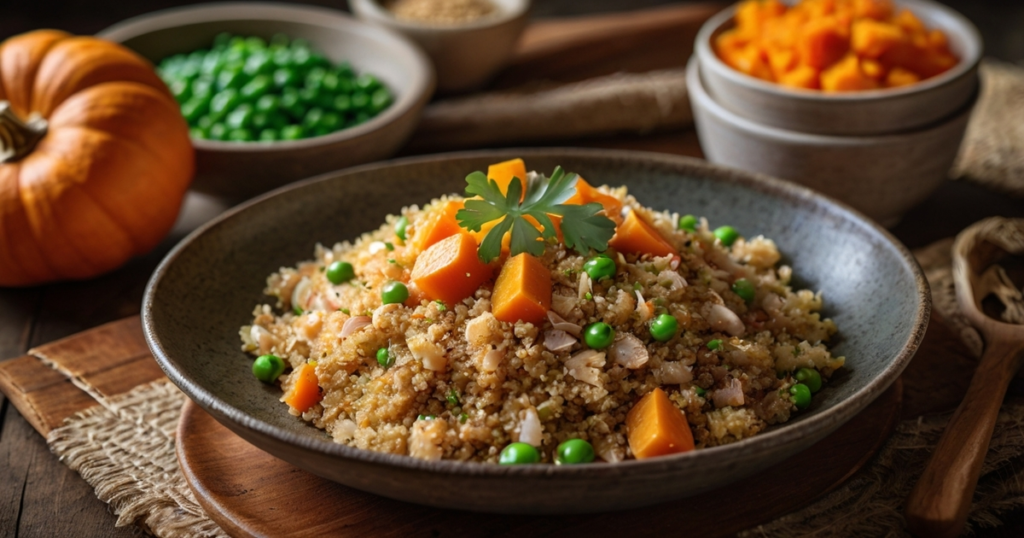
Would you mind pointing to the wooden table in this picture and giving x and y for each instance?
(39, 496)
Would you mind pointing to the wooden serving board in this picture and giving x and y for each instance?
(250, 493)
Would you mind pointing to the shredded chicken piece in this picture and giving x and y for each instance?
(530, 430)
(429, 353)
(425, 439)
(732, 395)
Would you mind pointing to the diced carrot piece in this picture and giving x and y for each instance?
(823, 43)
(781, 61)
(870, 38)
(305, 392)
(873, 69)
(803, 76)
(846, 76)
(909, 22)
(450, 270)
(586, 194)
(439, 224)
(637, 237)
(503, 172)
(656, 427)
(751, 61)
(901, 77)
(522, 290)
(879, 10)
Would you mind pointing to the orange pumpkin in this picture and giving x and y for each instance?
(95, 157)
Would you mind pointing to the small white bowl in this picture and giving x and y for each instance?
(466, 55)
(882, 176)
(848, 113)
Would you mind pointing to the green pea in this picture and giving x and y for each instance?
(268, 135)
(688, 222)
(198, 133)
(315, 78)
(385, 358)
(285, 77)
(292, 103)
(292, 132)
(211, 63)
(260, 120)
(744, 288)
(401, 226)
(600, 267)
(394, 292)
(255, 43)
(268, 103)
(380, 100)
(256, 88)
(330, 121)
(367, 82)
(194, 108)
(309, 96)
(259, 63)
(218, 131)
(330, 82)
(300, 56)
(180, 89)
(282, 57)
(599, 335)
(518, 453)
(664, 327)
(267, 368)
(727, 235)
(240, 117)
(224, 102)
(203, 87)
(700, 391)
(312, 118)
(360, 100)
(574, 451)
(205, 122)
(809, 377)
(801, 395)
(342, 103)
(340, 272)
(231, 78)
(240, 135)
(222, 40)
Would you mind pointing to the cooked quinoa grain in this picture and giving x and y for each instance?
(460, 384)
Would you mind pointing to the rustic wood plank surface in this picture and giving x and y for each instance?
(41, 497)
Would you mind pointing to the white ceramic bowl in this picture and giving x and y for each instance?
(465, 56)
(882, 176)
(851, 113)
(241, 170)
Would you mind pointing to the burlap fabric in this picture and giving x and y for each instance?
(124, 447)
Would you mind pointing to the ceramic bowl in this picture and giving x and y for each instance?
(850, 113)
(465, 56)
(207, 287)
(241, 170)
(882, 176)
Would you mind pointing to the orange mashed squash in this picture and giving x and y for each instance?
(833, 45)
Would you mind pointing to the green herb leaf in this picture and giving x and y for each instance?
(583, 228)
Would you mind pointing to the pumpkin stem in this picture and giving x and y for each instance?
(18, 138)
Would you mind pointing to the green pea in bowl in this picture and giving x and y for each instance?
(275, 93)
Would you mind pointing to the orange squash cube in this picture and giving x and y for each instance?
(439, 224)
(450, 269)
(870, 38)
(305, 393)
(846, 76)
(823, 43)
(522, 290)
(503, 172)
(656, 427)
(803, 76)
(637, 237)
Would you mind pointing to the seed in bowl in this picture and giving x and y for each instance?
(244, 89)
(833, 45)
(552, 323)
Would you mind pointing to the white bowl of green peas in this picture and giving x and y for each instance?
(275, 93)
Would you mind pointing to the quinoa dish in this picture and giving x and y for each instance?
(540, 319)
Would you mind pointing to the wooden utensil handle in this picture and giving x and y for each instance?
(939, 503)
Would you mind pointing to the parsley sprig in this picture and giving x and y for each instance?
(582, 227)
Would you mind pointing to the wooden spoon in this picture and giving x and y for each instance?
(939, 503)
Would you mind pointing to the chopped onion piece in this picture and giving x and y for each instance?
(558, 322)
(731, 395)
(354, 324)
(628, 351)
(723, 319)
(530, 430)
(556, 340)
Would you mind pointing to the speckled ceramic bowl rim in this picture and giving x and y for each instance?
(967, 30)
(783, 435)
(379, 12)
(420, 88)
(699, 97)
